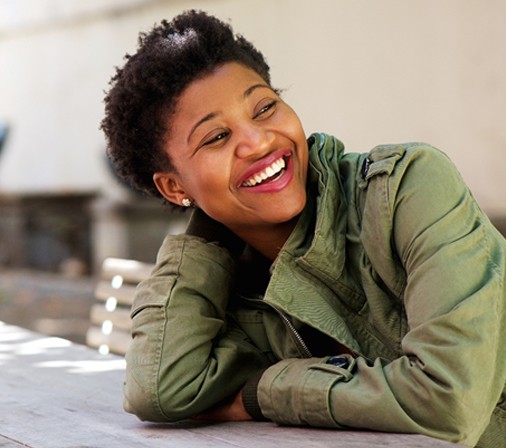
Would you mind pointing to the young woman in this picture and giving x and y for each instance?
(312, 287)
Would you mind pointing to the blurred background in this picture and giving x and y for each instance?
(368, 72)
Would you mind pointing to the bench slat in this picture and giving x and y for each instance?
(111, 324)
(124, 295)
(132, 271)
(120, 317)
(118, 341)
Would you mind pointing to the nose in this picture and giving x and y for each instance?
(253, 140)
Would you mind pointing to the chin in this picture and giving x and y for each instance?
(290, 212)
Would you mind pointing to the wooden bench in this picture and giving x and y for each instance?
(110, 314)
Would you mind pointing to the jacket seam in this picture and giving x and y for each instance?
(160, 344)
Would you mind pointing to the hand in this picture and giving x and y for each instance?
(229, 410)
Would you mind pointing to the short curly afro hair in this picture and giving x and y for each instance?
(144, 92)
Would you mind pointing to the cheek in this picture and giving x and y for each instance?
(209, 177)
(299, 129)
(292, 126)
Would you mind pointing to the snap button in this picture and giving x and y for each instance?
(365, 168)
(339, 361)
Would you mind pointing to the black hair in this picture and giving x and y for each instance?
(144, 92)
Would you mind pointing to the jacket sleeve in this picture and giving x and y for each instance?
(185, 356)
(452, 369)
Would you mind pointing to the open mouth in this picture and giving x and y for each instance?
(269, 174)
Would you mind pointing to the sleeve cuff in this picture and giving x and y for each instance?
(250, 397)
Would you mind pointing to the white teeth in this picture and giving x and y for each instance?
(270, 171)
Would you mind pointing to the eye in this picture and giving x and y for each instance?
(266, 109)
(215, 138)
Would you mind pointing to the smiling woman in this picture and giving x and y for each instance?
(249, 147)
(311, 287)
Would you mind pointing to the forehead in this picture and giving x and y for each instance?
(228, 81)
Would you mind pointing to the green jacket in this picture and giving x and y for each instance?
(391, 260)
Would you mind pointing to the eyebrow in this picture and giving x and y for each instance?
(212, 115)
(198, 123)
(251, 89)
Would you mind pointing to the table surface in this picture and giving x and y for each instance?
(57, 394)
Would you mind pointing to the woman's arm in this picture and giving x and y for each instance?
(453, 368)
(185, 357)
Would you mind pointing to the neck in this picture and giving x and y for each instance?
(268, 240)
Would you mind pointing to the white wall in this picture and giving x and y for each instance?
(370, 72)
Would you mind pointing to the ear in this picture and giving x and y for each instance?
(169, 187)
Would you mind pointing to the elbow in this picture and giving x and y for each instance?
(143, 399)
(140, 400)
(448, 418)
(445, 427)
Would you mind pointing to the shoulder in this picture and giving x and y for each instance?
(406, 188)
(396, 159)
(401, 169)
(190, 255)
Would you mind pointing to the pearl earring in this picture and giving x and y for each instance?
(186, 202)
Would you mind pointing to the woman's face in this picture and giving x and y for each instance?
(239, 151)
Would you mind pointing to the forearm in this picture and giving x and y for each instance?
(451, 368)
(417, 393)
(184, 358)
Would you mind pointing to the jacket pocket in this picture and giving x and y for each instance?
(152, 293)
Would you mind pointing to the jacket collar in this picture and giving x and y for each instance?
(318, 239)
(317, 246)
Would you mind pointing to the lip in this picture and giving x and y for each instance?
(273, 186)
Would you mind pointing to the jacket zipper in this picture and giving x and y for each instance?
(306, 353)
(299, 342)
